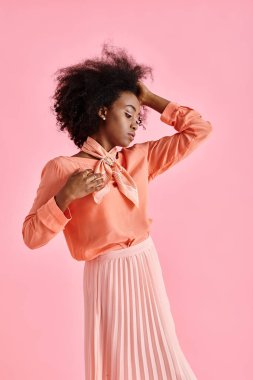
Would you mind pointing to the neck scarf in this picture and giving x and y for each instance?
(108, 166)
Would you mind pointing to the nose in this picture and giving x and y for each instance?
(136, 125)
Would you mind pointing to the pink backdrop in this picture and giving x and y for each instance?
(202, 57)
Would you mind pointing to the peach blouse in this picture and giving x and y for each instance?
(92, 229)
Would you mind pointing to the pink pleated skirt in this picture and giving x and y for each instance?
(129, 330)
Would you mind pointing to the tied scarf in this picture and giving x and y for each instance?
(108, 166)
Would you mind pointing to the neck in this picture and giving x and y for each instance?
(103, 141)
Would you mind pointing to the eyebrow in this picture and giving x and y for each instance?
(130, 105)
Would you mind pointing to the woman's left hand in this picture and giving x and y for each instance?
(144, 93)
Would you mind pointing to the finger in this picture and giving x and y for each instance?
(98, 186)
(93, 176)
(97, 182)
(88, 177)
(97, 178)
(87, 172)
(94, 179)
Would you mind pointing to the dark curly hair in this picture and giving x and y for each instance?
(85, 87)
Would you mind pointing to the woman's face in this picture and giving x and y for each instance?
(120, 119)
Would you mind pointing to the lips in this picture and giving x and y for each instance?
(131, 134)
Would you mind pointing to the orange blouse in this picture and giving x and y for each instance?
(92, 229)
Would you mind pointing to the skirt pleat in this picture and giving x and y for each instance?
(129, 331)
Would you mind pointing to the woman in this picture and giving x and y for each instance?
(98, 198)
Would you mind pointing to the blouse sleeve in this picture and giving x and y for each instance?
(45, 219)
(191, 129)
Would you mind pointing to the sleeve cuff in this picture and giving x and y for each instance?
(52, 216)
(169, 112)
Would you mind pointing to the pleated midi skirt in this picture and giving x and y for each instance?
(129, 332)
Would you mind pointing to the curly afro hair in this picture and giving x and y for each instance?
(85, 87)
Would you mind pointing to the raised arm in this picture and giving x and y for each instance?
(191, 129)
(46, 219)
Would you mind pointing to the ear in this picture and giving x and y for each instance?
(102, 111)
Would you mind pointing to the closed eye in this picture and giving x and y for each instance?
(139, 121)
(128, 115)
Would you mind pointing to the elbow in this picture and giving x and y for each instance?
(30, 239)
(209, 127)
(32, 247)
(32, 243)
(205, 131)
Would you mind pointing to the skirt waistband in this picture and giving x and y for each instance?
(127, 251)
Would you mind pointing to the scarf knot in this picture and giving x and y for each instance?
(108, 165)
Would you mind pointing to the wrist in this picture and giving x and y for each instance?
(63, 199)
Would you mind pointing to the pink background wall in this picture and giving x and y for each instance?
(202, 57)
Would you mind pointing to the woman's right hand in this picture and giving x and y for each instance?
(82, 183)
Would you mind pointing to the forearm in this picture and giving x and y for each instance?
(156, 102)
(46, 218)
(45, 222)
(191, 129)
